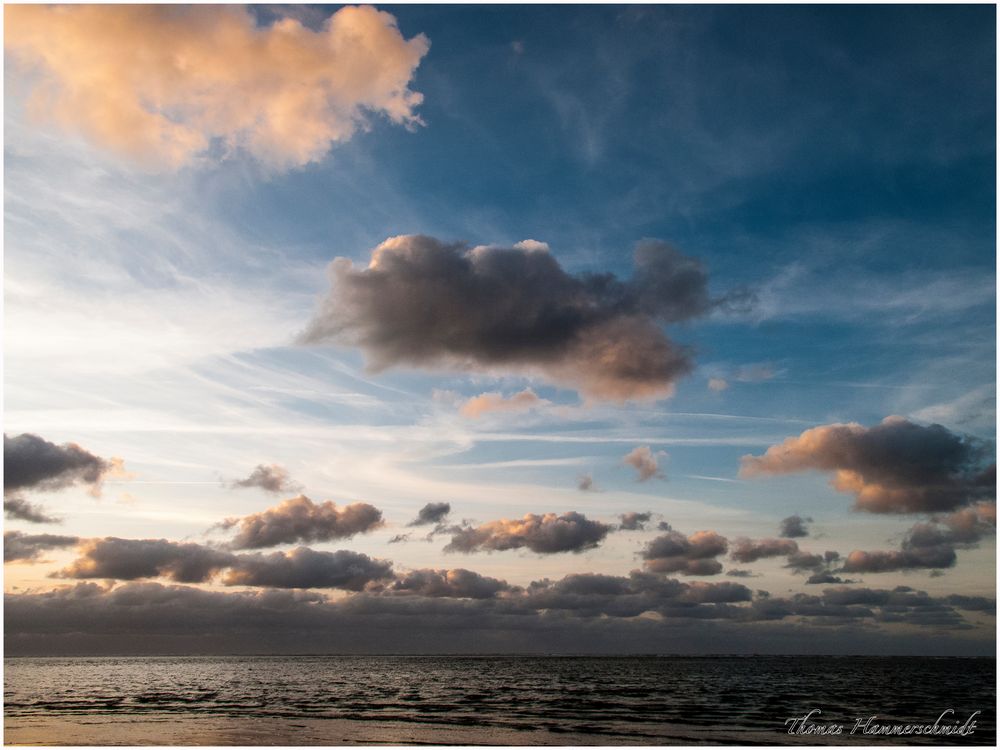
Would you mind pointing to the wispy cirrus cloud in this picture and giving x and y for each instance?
(168, 85)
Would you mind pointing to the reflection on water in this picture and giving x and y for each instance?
(509, 700)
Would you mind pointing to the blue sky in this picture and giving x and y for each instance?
(837, 162)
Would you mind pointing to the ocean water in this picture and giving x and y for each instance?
(487, 700)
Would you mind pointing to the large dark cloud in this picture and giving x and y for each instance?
(299, 519)
(130, 559)
(750, 550)
(930, 544)
(545, 534)
(794, 527)
(894, 467)
(270, 478)
(692, 556)
(305, 568)
(431, 513)
(32, 463)
(18, 546)
(428, 303)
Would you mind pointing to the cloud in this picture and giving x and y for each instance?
(643, 461)
(425, 303)
(750, 550)
(306, 568)
(20, 547)
(546, 534)
(755, 373)
(431, 513)
(18, 508)
(894, 467)
(929, 545)
(585, 483)
(458, 582)
(166, 86)
(586, 612)
(270, 478)
(794, 527)
(33, 463)
(717, 384)
(691, 556)
(633, 521)
(130, 559)
(490, 402)
(299, 519)
(739, 573)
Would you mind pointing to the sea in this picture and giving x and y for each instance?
(496, 700)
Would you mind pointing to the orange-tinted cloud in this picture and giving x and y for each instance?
(163, 84)
(487, 402)
(894, 467)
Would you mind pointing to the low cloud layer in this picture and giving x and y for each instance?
(20, 547)
(794, 527)
(545, 534)
(688, 555)
(270, 478)
(167, 85)
(299, 519)
(643, 460)
(494, 402)
(929, 545)
(432, 513)
(426, 303)
(33, 464)
(589, 613)
(894, 467)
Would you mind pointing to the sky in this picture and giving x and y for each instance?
(666, 329)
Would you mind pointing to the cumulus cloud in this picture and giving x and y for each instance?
(740, 573)
(306, 568)
(545, 534)
(167, 85)
(633, 521)
(793, 527)
(894, 467)
(431, 513)
(130, 559)
(750, 550)
(20, 547)
(299, 519)
(426, 303)
(643, 460)
(456, 583)
(691, 556)
(585, 483)
(32, 463)
(270, 478)
(929, 545)
(490, 402)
